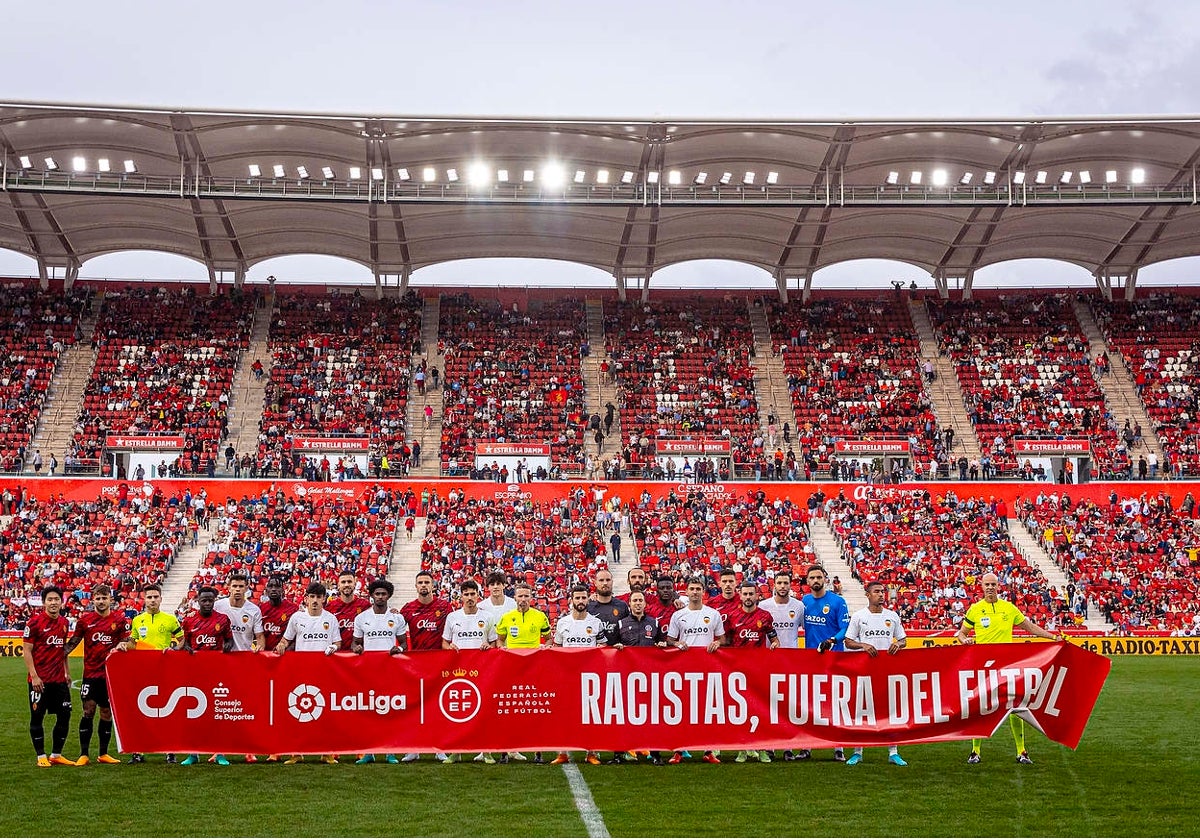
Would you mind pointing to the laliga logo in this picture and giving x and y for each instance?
(460, 700)
(184, 691)
(306, 703)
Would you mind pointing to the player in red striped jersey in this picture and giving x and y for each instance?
(206, 629)
(100, 630)
(45, 654)
(426, 616)
(346, 607)
(750, 626)
(275, 613)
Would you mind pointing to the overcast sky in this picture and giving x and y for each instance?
(650, 58)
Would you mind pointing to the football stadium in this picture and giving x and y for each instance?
(818, 508)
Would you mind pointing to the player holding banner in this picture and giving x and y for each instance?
(872, 629)
(100, 630)
(826, 617)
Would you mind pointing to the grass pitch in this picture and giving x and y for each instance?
(1133, 775)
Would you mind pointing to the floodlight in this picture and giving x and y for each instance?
(1138, 176)
(1085, 176)
(772, 177)
(377, 173)
(302, 171)
(402, 174)
(1019, 177)
(939, 178)
(748, 178)
(428, 174)
(79, 164)
(1065, 178)
(652, 177)
(601, 176)
(726, 177)
(26, 163)
(915, 177)
(989, 177)
(51, 164)
(502, 175)
(355, 173)
(965, 180)
(1041, 176)
(893, 178)
(701, 177)
(255, 170)
(627, 177)
(579, 176)
(527, 176)
(104, 165)
(327, 173)
(1110, 176)
(553, 175)
(130, 167)
(452, 175)
(278, 170)
(674, 177)
(479, 174)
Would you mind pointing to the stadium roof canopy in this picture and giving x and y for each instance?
(231, 189)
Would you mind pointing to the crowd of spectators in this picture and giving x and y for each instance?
(1136, 558)
(35, 328)
(1023, 365)
(930, 552)
(512, 376)
(683, 372)
(164, 365)
(1158, 336)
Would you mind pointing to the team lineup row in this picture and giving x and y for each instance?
(735, 617)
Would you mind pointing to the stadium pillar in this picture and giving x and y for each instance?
(619, 278)
(43, 275)
(70, 275)
(942, 278)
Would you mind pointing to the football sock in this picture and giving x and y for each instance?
(85, 734)
(106, 729)
(62, 728)
(976, 743)
(893, 751)
(1018, 730)
(37, 731)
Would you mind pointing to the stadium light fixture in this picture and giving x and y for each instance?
(989, 177)
(1085, 176)
(51, 164)
(327, 173)
(428, 174)
(915, 177)
(725, 179)
(376, 173)
(527, 176)
(402, 174)
(1040, 177)
(939, 178)
(627, 177)
(674, 177)
(893, 178)
(79, 164)
(479, 175)
(1019, 177)
(1110, 176)
(452, 175)
(302, 171)
(652, 177)
(700, 178)
(502, 176)
(1065, 178)
(748, 179)
(26, 163)
(255, 170)
(601, 176)
(579, 176)
(965, 180)
(553, 175)
(278, 170)
(355, 173)
(772, 178)
(104, 165)
(130, 167)
(1138, 176)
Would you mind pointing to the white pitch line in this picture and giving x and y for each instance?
(593, 820)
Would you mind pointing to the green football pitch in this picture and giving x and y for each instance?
(1133, 775)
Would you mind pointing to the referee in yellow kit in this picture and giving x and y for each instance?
(992, 620)
(152, 629)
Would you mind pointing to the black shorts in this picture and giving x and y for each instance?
(53, 699)
(96, 690)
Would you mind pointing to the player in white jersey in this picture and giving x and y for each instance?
(872, 629)
(696, 626)
(313, 630)
(578, 629)
(378, 629)
(245, 622)
(787, 614)
(497, 603)
(469, 628)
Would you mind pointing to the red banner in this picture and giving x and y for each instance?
(1026, 446)
(869, 447)
(144, 442)
(638, 698)
(331, 444)
(693, 447)
(488, 449)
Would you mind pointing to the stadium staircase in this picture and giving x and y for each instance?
(64, 396)
(187, 561)
(406, 561)
(770, 380)
(414, 420)
(248, 396)
(1026, 543)
(829, 554)
(596, 390)
(1119, 392)
(944, 392)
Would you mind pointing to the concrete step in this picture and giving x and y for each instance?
(406, 560)
(829, 554)
(1031, 549)
(188, 561)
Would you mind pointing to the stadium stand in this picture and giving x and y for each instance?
(124, 542)
(35, 327)
(165, 362)
(853, 373)
(1136, 558)
(683, 373)
(930, 552)
(1023, 365)
(340, 366)
(1159, 338)
(512, 377)
(303, 537)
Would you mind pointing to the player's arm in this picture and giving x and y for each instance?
(356, 645)
(502, 633)
(840, 635)
(772, 638)
(899, 642)
(35, 682)
(289, 636)
(963, 636)
(227, 645)
(852, 642)
(399, 644)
